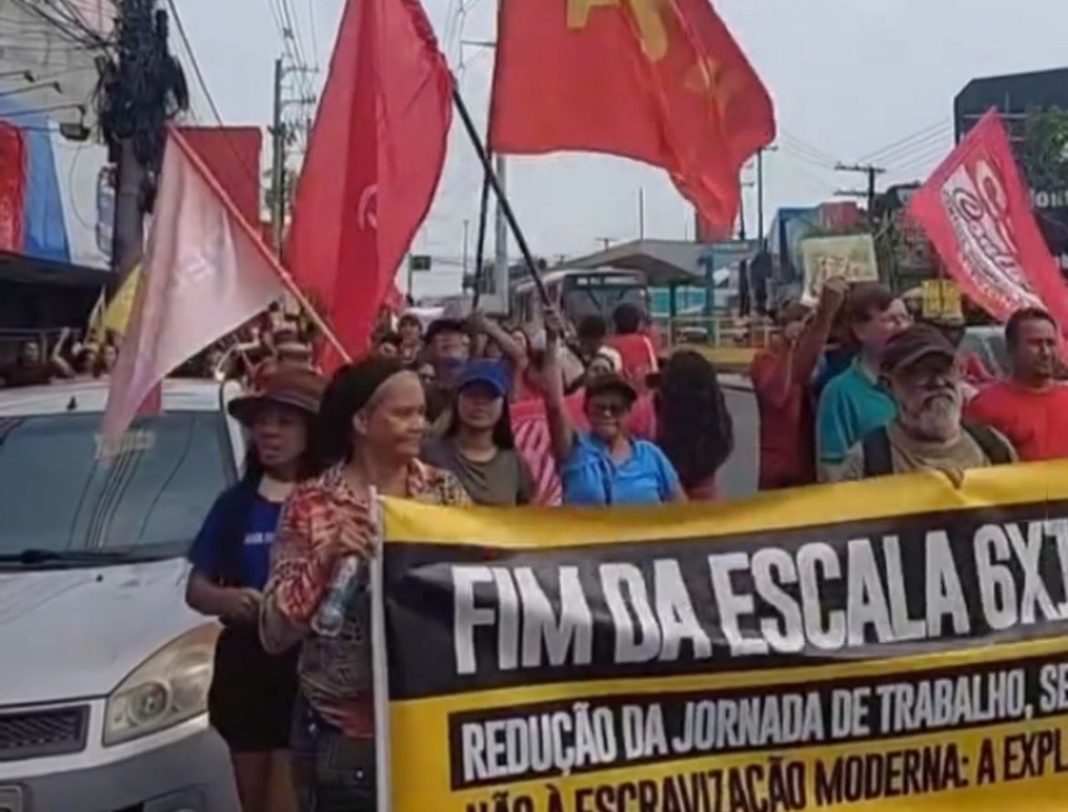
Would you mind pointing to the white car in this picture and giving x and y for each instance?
(104, 671)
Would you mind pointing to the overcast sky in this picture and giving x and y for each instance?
(850, 78)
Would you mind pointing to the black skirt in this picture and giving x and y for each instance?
(252, 692)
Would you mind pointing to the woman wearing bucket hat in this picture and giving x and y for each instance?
(478, 445)
(371, 428)
(252, 693)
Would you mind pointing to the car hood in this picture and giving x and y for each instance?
(77, 633)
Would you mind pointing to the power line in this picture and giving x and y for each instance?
(314, 31)
(803, 146)
(880, 153)
(793, 152)
(905, 151)
(193, 59)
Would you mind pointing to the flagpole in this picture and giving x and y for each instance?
(494, 183)
(313, 314)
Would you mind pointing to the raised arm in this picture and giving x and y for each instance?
(809, 349)
(509, 346)
(561, 430)
(59, 363)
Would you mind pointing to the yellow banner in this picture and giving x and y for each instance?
(896, 645)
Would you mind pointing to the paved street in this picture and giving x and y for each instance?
(739, 477)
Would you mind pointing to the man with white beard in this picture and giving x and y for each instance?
(921, 372)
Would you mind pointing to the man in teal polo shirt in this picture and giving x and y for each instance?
(854, 404)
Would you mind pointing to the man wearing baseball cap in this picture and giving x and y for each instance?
(921, 372)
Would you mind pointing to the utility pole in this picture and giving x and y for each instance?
(641, 213)
(872, 172)
(501, 281)
(500, 265)
(280, 134)
(144, 88)
(467, 227)
(760, 192)
(278, 160)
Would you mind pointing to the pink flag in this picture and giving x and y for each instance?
(206, 273)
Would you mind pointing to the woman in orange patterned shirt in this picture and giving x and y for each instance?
(371, 426)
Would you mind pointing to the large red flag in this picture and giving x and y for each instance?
(374, 160)
(976, 212)
(660, 82)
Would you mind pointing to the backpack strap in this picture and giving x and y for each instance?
(877, 454)
(994, 448)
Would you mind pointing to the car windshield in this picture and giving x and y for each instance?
(60, 495)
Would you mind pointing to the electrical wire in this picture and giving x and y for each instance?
(199, 74)
(803, 146)
(903, 153)
(880, 154)
(314, 32)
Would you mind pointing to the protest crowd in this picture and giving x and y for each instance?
(470, 411)
(351, 405)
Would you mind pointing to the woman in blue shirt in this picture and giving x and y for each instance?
(252, 693)
(605, 467)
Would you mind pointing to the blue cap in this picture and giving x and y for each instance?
(489, 373)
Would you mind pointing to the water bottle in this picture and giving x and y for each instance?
(331, 615)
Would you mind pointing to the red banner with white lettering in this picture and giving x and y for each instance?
(976, 212)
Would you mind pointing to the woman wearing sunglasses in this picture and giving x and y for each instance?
(606, 466)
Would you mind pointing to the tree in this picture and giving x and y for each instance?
(1044, 153)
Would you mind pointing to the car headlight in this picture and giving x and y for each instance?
(168, 688)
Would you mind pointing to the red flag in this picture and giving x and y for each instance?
(976, 212)
(660, 82)
(232, 155)
(13, 169)
(375, 157)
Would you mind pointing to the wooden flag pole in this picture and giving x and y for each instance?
(313, 314)
(506, 207)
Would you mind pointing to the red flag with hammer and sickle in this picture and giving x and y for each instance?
(659, 81)
(374, 161)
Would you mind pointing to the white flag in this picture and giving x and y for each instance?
(206, 272)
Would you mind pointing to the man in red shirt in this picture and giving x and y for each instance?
(1031, 408)
(781, 376)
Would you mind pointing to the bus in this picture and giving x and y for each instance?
(579, 293)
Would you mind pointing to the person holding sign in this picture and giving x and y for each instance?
(370, 430)
(922, 373)
(605, 467)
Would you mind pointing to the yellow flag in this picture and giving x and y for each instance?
(117, 316)
(94, 329)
